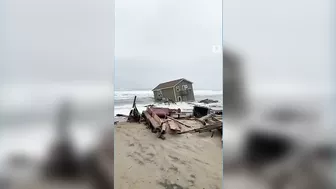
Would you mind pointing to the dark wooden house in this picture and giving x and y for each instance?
(180, 90)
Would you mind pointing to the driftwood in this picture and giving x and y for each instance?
(178, 121)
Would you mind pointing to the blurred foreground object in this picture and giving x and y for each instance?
(275, 142)
(66, 166)
(233, 84)
(63, 162)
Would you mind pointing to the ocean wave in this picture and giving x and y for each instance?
(122, 95)
(125, 109)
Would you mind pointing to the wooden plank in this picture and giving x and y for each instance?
(151, 120)
(217, 119)
(204, 119)
(134, 101)
(164, 127)
(179, 121)
(157, 118)
(173, 125)
(147, 116)
(207, 128)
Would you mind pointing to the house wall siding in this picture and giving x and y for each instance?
(156, 96)
(187, 95)
(166, 93)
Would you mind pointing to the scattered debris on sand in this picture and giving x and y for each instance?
(181, 160)
(174, 121)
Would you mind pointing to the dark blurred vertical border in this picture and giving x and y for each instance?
(223, 113)
(333, 62)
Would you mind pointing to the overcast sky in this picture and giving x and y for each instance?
(158, 41)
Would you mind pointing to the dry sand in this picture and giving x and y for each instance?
(188, 161)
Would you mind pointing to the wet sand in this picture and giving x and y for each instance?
(188, 161)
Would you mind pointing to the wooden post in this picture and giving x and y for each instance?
(134, 101)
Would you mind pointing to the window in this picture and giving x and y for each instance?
(179, 98)
(184, 87)
(177, 88)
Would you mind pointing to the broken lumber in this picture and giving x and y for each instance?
(204, 119)
(163, 130)
(134, 101)
(134, 115)
(173, 125)
(178, 121)
(216, 119)
(164, 127)
(156, 118)
(207, 128)
(151, 120)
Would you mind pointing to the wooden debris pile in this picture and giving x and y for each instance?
(166, 124)
(165, 120)
(210, 122)
(160, 124)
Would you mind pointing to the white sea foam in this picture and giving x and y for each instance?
(119, 95)
(125, 109)
(145, 98)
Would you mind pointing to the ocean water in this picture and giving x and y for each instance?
(123, 100)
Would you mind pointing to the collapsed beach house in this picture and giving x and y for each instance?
(180, 90)
(166, 120)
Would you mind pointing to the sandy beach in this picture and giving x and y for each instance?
(188, 161)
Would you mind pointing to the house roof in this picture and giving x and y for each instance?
(169, 84)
